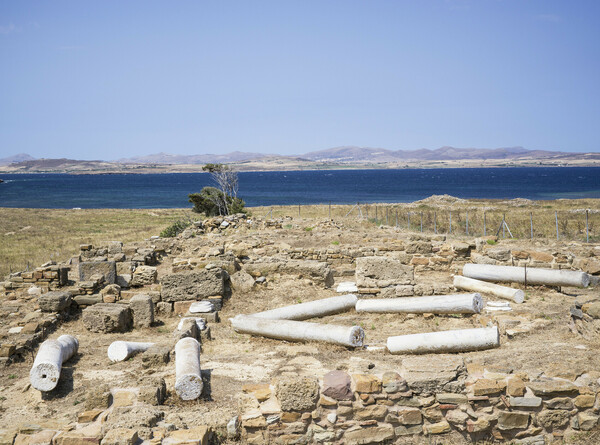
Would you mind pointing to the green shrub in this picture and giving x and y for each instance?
(175, 229)
(212, 202)
(491, 242)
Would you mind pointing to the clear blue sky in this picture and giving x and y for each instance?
(111, 79)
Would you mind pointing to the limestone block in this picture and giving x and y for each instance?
(375, 434)
(550, 388)
(587, 421)
(199, 435)
(262, 391)
(488, 387)
(54, 301)
(143, 310)
(336, 384)
(554, 418)
(366, 383)
(107, 317)
(90, 435)
(382, 272)
(559, 403)
(431, 373)
(242, 281)
(409, 416)
(156, 356)
(297, 394)
(143, 276)
(106, 269)
(451, 398)
(192, 285)
(377, 412)
(515, 387)
(436, 428)
(393, 383)
(120, 436)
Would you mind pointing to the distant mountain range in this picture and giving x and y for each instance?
(16, 158)
(337, 157)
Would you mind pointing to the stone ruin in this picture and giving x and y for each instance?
(165, 290)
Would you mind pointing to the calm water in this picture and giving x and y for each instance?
(301, 187)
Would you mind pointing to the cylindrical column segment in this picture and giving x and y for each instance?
(461, 340)
(508, 293)
(122, 350)
(311, 309)
(531, 275)
(299, 330)
(435, 304)
(47, 365)
(188, 380)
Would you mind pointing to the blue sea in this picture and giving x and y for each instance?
(299, 187)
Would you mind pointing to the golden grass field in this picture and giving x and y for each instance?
(30, 237)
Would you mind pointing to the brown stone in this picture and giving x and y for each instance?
(327, 401)
(393, 383)
(181, 307)
(409, 416)
(585, 401)
(89, 416)
(436, 428)
(290, 416)
(509, 420)
(551, 388)
(477, 426)
(559, 403)
(376, 434)
(541, 256)
(553, 418)
(120, 436)
(587, 421)
(257, 421)
(124, 398)
(88, 435)
(515, 387)
(452, 398)
(337, 385)
(200, 435)
(488, 387)
(377, 412)
(262, 391)
(366, 383)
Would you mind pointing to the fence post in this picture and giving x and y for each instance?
(484, 228)
(556, 219)
(421, 221)
(387, 216)
(408, 221)
(376, 215)
(467, 222)
(367, 207)
(435, 222)
(531, 224)
(298, 210)
(396, 217)
(450, 226)
(587, 229)
(329, 209)
(503, 219)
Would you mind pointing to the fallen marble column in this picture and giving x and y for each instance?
(435, 304)
(122, 350)
(311, 309)
(508, 293)
(188, 381)
(299, 330)
(530, 275)
(48, 362)
(461, 340)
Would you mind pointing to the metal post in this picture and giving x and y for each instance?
(329, 209)
(387, 216)
(450, 226)
(556, 219)
(421, 221)
(587, 228)
(367, 207)
(396, 217)
(467, 222)
(376, 216)
(484, 228)
(503, 215)
(531, 224)
(298, 210)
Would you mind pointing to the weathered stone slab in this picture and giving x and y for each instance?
(430, 373)
(366, 383)
(199, 435)
(54, 301)
(393, 383)
(192, 285)
(143, 275)
(525, 402)
(553, 418)
(143, 310)
(120, 436)
(105, 268)
(552, 388)
(382, 272)
(376, 434)
(510, 420)
(107, 317)
(452, 398)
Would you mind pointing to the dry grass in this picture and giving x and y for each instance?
(34, 236)
(30, 237)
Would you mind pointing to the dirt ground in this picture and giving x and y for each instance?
(232, 359)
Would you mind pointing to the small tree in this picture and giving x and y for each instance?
(226, 180)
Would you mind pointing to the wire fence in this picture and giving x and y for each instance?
(521, 223)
